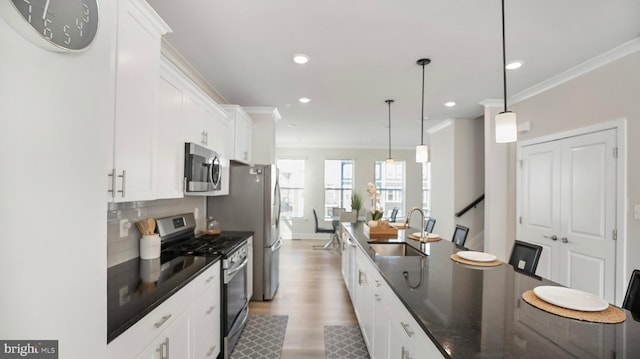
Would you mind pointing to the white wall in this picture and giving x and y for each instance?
(443, 185)
(364, 160)
(605, 94)
(56, 109)
(457, 177)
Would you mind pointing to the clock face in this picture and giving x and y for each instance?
(64, 24)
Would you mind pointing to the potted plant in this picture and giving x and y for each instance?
(356, 202)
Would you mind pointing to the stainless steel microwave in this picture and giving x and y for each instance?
(202, 170)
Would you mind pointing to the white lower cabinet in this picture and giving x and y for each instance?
(364, 301)
(388, 329)
(249, 268)
(206, 314)
(187, 325)
(173, 342)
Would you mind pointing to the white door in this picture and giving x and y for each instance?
(568, 206)
(587, 245)
(540, 202)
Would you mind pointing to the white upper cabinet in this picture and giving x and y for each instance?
(187, 114)
(168, 162)
(263, 142)
(136, 109)
(243, 130)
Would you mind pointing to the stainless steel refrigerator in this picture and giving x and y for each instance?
(253, 204)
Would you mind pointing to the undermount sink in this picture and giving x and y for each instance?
(393, 250)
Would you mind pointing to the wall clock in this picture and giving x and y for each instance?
(56, 25)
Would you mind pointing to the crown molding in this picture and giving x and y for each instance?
(579, 70)
(439, 127)
(273, 111)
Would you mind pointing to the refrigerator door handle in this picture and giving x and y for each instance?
(277, 199)
(277, 246)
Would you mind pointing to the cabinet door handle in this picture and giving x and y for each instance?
(163, 320)
(407, 328)
(564, 240)
(210, 279)
(211, 350)
(378, 283)
(124, 181)
(164, 349)
(553, 237)
(114, 180)
(378, 298)
(211, 308)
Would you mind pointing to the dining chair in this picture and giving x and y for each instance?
(431, 222)
(525, 256)
(632, 298)
(327, 230)
(394, 214)
(460, 235)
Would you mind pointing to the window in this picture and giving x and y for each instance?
(292, 188)
(426, 188)
(338, 185)
(390, 180)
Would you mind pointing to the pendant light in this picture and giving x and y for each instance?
(422, 151)
(390, 159)
(506, 123)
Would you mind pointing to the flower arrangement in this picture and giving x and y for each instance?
(376, 212)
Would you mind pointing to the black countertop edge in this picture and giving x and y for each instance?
(415, 244)
(211, 260)
(241, 234)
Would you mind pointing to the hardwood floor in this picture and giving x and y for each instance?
(312, 293)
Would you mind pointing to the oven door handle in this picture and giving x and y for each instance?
(241, 326)
(244, 264)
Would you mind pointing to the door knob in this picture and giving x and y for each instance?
(553, 237)
(564, 240)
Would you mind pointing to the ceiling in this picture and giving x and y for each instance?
(364, 52)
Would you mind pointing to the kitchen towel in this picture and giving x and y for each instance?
(344, 342)
(262, 337)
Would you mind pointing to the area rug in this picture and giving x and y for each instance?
(262, 337)
(344, 342)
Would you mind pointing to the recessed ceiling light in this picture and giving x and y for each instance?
(304, 100)
(450, 103)
(300, 58)
(514, 65)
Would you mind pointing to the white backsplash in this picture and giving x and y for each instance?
(122, 249)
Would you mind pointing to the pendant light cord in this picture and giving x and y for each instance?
(422, 111)
(504, 61)
(389, 102)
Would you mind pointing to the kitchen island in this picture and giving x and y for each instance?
(475, 312)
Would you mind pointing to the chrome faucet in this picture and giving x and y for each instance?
(406, 222)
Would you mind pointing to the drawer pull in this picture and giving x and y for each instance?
(378, 298)
(407, 328)
(378, 283)
(162, 321)
(211, 350)
(210, 279)
(211, 308)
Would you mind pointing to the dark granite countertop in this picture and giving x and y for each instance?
(136, 287)
(477, 312)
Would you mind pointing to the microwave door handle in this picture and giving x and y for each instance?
(210, 169)
(215, 163)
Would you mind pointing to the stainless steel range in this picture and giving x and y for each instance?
(178, 239)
